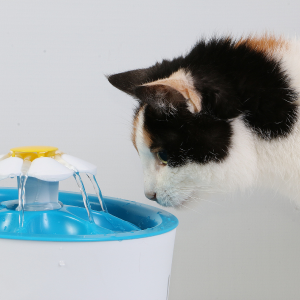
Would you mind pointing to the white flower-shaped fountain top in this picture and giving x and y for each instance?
(47, 164)
(44, 163)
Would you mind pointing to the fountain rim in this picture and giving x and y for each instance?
(165, 221)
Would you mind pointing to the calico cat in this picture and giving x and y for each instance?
(223, 117)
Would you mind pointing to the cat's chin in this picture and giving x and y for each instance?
(167, 204)
(176, 206)
(183, 201)
(170, 202)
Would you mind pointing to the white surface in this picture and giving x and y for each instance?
(4, 156)
(53, 92)
(40, 191)
(79, 164)
(45, 168)
(10, 167)
(120, 270)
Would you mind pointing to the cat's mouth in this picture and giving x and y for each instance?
(168, 201)
(151, 196)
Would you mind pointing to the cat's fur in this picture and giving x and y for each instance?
(227, 114)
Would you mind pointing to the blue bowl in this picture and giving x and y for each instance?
(125, 220)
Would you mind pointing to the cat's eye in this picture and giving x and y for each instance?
(163, 156)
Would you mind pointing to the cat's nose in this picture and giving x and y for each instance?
(151, 196)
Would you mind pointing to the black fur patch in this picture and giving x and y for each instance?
(187, 137)
(233, 80)
(237, 80)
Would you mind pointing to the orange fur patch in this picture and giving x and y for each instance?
(134, 128)
(146, 135)
(266, 44)
(147, 138)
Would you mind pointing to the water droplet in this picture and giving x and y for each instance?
(61, 263)
(5, 227)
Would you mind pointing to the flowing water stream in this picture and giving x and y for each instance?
(97, 191)
(21, 190)
(84, 196)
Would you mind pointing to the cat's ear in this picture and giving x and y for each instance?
(160, 97)
(128, 81)
(161, 93)
(171, 91)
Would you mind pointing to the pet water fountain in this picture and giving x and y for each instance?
(63, 245)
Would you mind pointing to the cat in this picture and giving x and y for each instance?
(222, 118)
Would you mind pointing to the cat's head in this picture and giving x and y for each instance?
(185, 132)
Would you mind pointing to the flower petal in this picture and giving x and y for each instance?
(4, 156)
(10, 167)
(48, 169)
(79, 164)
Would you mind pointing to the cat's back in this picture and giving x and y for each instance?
(285, 51)
(289, 58)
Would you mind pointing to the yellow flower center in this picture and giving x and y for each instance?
(33, 152)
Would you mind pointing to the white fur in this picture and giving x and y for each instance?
(173, 186)
(251, 161)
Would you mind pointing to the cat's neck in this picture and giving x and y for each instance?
(278, 162)
(254, 161)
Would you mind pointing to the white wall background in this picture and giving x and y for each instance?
(53, 57)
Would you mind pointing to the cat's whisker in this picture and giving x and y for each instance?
(206, 191)
(190, 208)
(209, 201)
(198, 199)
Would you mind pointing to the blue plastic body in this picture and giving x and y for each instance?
(126, 220)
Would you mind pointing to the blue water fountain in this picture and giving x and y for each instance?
(66, 245)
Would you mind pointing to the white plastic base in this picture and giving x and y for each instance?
(120, 270)
(41, 195)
